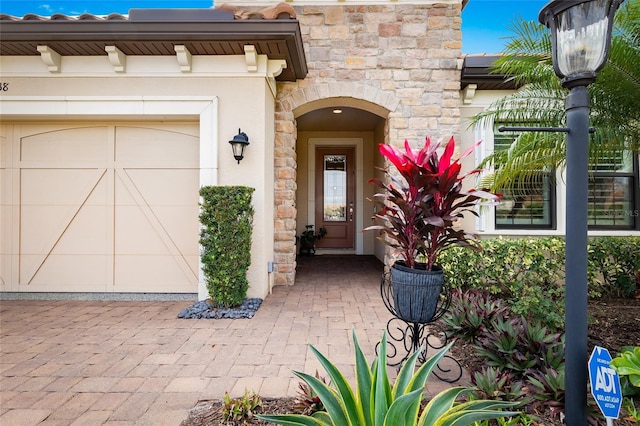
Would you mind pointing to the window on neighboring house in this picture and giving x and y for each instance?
(530, 204)
(613, 202)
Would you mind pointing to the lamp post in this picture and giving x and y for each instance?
(581, 35)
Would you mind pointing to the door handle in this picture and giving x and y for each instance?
(351, 211)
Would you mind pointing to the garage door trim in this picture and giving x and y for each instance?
(142, 107)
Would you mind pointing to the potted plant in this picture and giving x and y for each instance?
(417, 214)
(308, 239)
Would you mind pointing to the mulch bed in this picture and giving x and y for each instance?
(210, 412)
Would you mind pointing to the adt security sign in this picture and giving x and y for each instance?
(605, 383)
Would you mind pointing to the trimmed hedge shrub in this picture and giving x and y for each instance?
(528, 273)
(226, 216)
(614, 263)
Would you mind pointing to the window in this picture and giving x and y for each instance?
(613, 201)
(530, 204)
(613, 194)
(335, 188)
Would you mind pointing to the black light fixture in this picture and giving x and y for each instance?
(581, 36)
(238, 143)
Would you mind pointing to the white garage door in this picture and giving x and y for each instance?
(100, 207)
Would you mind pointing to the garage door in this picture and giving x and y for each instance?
(100, 207)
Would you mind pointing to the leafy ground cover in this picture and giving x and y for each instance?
(613, 323)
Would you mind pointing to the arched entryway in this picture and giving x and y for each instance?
(370, 116)
(336, 154)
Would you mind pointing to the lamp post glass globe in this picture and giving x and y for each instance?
(581, 36)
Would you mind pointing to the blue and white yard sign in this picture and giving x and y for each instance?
(605, 383)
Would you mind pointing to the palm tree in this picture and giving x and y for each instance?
(615, 101)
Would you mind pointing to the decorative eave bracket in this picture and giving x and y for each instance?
(117, 58)
(274, 69)
(184, 57)
(51, 58)
(251, 57)
(468, 93)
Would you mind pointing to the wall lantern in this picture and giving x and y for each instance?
(581, 36)
(238, 144)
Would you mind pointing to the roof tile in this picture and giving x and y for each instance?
(279, 11)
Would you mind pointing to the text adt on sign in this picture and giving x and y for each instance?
(605, 383)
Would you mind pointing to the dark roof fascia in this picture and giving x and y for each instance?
(109, 30)
(175, 32)
(478, 69)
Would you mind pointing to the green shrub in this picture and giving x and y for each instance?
(630, 406)
(627, 364)
(528, 273)
(614, 264)
(226, 217)
(376, 402)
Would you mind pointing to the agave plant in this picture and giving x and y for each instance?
(375, 402)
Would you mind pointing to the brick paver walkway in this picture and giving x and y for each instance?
(135, 363)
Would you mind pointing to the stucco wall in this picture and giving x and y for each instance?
(242, 100)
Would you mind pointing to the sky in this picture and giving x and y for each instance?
(485, 23)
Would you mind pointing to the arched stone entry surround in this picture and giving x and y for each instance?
(397, 58)
(286, 160)
(288, 108)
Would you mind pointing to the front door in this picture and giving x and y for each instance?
(335, 196)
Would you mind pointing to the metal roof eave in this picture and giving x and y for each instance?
(478, 70)
(177, 32)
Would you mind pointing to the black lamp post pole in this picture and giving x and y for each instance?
(577, 109)
(576, 246)
(576, 30)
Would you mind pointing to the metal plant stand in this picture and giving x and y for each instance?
(411, 336)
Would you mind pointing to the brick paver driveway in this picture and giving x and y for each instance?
(135, 363)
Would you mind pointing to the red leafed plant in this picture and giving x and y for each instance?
(417, 213)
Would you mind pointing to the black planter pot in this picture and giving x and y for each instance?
(307, 247)
(416, 292)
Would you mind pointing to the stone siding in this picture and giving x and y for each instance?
(402, 57)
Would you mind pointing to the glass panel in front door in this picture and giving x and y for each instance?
(335, 188)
